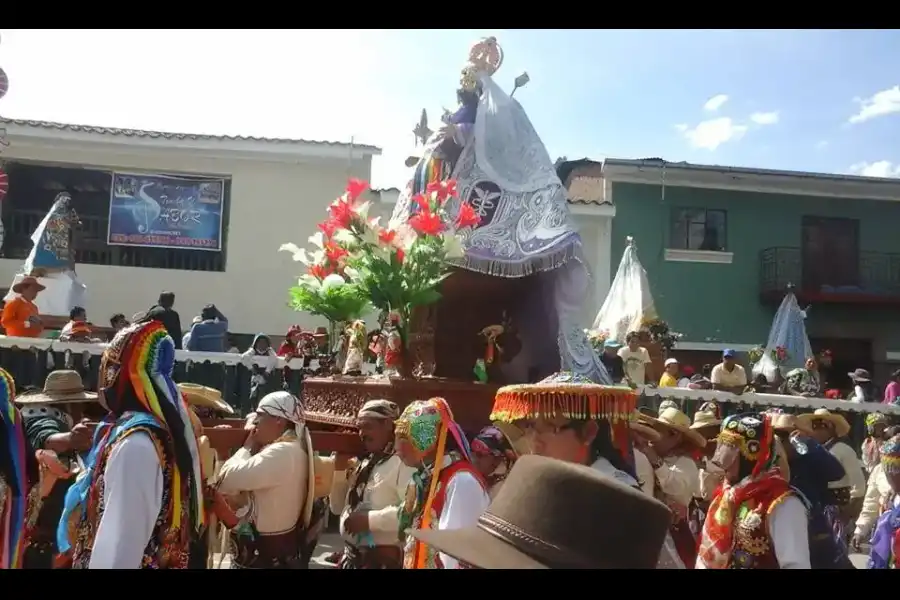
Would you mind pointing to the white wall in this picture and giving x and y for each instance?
(271, 203)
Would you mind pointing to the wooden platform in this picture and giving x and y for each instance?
(336, 400)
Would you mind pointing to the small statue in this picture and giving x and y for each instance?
(393, 345)
(356, 347)
(501, 343)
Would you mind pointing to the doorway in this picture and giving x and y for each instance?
(830, 252)
(847, 355)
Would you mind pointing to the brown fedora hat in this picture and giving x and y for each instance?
(26, 282)
(63, 386)
(551, 514)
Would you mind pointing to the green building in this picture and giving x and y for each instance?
(721, 245)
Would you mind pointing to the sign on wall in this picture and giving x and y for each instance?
(165, 211)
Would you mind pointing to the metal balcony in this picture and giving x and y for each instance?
(875, 280)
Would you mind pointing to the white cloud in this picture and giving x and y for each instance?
(882, 103)
(681, 127)
(881, 168)
(711, 134)
(715, 103)
(822, 145)
(765, 118)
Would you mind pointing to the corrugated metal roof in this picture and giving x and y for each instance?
(140, 133)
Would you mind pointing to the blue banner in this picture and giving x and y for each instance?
(163, 211)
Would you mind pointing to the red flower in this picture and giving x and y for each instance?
(386, 236)
(422, 202)
(318, 271)
(328, 228)
(341, 212)
(443, 189)
(400, 254)
(355, 188)
(425, 223)
(334, 252)
(467, 216)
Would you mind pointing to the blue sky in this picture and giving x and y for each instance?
(808, 100)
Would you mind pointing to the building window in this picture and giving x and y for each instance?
(32, 189)
(698, 229)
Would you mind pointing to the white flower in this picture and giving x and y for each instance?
(310, 282)
(343, 236)
(352, 273)
(317, 239)
(362, 210)
(331, 281)
(299, 254)
(452, 245)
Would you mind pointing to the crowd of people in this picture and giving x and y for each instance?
(126, 478)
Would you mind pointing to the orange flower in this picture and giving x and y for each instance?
(341, 212)
(355, 188)
(334, 252)
(318, 271)
(467, 216)
(421, 201)
(442, 189)
(426, 223)
(328, 228)
(386, 236)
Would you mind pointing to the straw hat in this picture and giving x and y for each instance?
(841, 426)
(675, 420)
(704, 418)
(520, 443)
(204, 397)
(64, 386)
(645, 431)
(782, 421)
(27, 281)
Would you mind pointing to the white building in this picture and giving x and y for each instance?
(276, 191)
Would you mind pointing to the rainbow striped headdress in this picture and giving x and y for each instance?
(13, 499)
(142, 357)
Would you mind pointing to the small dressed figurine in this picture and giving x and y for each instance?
(393, 346)
(356, 347)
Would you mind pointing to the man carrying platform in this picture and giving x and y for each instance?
(369, 492)
(50, 423)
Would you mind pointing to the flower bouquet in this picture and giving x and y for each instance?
(779, 355)
(597, 338)
(396, 267)
(755, 354)
(661, 334)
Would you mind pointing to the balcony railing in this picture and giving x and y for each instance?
(878, 277)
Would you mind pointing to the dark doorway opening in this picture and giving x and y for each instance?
(830, 253)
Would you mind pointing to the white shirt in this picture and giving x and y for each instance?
(133, 490)
(878, 492)
(679, 479)
(853, 471)
(383, 496)
(787, 525)
(276, 477)
(635, 362)
(464, 501)
(737, 377)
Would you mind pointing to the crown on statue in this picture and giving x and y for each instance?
(485, 56)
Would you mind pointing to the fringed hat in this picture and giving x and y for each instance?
(564, 394)
(890, 456)
(571, 396)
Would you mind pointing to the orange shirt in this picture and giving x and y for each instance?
(15, 315)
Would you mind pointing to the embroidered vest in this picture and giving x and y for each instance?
(412, 547)
(753, 548)
(169, 547)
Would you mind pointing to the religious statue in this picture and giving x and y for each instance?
(501, 346)
(393, 346)
(356, 347)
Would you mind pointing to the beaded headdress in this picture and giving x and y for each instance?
(890, 456)
(753, 436)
